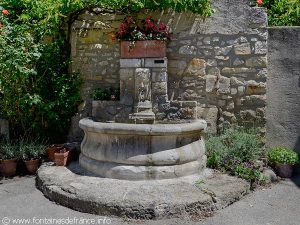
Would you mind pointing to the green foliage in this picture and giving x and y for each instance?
(236, 151)
(24, 149)
(8, 150)
(241, 143)
(106, 94)
(283, 12)
(31, 150)
(283, 156)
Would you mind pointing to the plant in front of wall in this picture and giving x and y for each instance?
(283, 12)
(283, 159)
(31, 153)
(9, 152)
(150, 29)
(236, 151)
(106, 94)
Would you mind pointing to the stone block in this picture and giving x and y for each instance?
(242, 49)
(159, 88)
(222, 50)
(238, 62)
(258, 17)
(159, 75)
(210, 115)
(239, 70)
(211, 82)
(261, 47)
(188, 50)
(156, 62)
(196, 67)
(215, 71)
(126, 73)
(223, 85)
(254, 88)
(241, 90)
(254, 101)
(262, 74)
(235, 82)
(257, 62)
(127, 63)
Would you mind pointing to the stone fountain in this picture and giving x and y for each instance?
(146, 146)
(147, 161)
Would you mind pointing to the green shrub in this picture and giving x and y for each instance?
(236, 151)
(241, 143)
(283, 156)
(31, 149)
(102, 94)
(23, 149)
(8, 150)
(283, 12)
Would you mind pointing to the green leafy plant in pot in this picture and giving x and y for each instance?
(31, 154)
(283, 159)
(8, 155)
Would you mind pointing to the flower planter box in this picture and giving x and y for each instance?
(143, 49)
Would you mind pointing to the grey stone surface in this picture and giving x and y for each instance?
(270, 175)
(283, 88)
(143, 151)
(155, 199)
(275, 205)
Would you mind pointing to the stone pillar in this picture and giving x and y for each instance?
(143, 82)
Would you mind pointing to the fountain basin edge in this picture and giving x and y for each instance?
(143, 151)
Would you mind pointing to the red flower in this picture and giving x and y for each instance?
(259, 2)
(162, 27)
(5, 12)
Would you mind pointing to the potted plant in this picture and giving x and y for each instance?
(31, 154)
(145, 41)
(61, 157)
(283, 159)
(8, 155)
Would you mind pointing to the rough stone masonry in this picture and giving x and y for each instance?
(219, 62)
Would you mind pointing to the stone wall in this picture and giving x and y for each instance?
(220, 63)
(283, 96)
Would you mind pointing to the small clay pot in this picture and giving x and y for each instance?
(284, 170)
(51, 151)
(9, 167)
(32, 165)
(61, 158)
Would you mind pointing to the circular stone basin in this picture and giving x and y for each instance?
(143, 151)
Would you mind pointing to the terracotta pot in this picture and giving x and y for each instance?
(51, 151)
(284, 171)
(32, 165)
(143, 49)
(9, 167)
(61, 158)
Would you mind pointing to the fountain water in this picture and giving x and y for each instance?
(144, 149)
